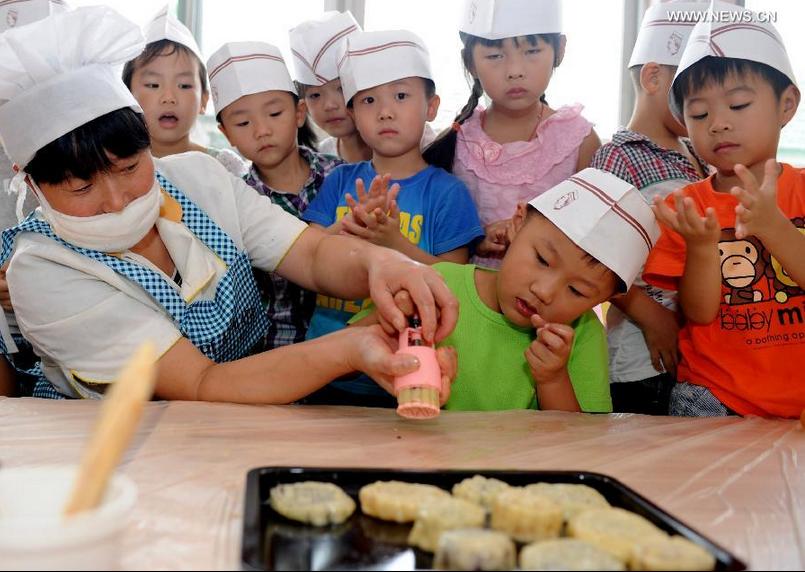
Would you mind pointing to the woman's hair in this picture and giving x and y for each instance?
(84, 151)
(163, 48)
(442, 151)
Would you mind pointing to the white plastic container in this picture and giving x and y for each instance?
(35, 536)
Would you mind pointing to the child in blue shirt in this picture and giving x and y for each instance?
(426, 214)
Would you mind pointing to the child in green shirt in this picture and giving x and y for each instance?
(526, 336)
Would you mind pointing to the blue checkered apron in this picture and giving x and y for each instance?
(224, 328)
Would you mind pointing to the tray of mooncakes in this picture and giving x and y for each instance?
(300, 518)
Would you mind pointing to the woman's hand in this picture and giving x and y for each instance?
(391, 273)
(374, 354)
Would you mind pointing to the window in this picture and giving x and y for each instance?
(790, 16)
(590, 73)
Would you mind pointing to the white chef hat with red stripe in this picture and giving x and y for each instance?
(730, 31)
(370, 59)
(237, 69)
(315, 45)
(604, 216)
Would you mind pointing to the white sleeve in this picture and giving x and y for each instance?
(80, 324)
(268, 231)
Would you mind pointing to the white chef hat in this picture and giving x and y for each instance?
(60, 73)
(165, 26)
(315, 45)
(736, 33)
(664, 33)
(370, 59)
(499, 19)
(16, 13)
(604, 216)
(243, 68)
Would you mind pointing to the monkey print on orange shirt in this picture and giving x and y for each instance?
(752, 356)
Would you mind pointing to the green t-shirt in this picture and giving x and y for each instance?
(493, 373)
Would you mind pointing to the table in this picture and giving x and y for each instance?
(738, 481)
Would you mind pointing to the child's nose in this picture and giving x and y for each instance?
(331, 104)
(261, 128)
(515, 69)
(168, 96)
(544, 290)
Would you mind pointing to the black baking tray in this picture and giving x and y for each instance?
(272, 542)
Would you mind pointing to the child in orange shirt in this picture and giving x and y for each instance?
(737, 268)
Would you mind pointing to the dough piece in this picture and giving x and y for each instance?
(475, 549)
(567, 554)
(573, 499)
(526, 517)
(480, 490)
(440, 515)
(674, 553)
(397, 501)
(312, 502)
(615, 530)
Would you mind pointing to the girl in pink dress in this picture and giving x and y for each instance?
(519, 146)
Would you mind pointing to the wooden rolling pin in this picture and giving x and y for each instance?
(119, 416)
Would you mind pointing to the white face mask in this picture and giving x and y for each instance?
(109, 232)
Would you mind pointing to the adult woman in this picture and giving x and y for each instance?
(127, 247)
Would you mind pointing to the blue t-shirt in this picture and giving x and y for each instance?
(436, 214)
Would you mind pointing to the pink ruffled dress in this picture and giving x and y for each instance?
(500, 176)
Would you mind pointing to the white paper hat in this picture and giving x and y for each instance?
(316, 44)
(370, 59)
(498, 19)
(243, 68)
(664, 33)
(165, 26)
(16, 13)
(604, 216)
(60, 73)
(742, 35)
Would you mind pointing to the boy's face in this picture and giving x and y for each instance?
(263, 126)
(391, 117)
(169, 91)
(328, 109)
(737, 122)
(545, 273)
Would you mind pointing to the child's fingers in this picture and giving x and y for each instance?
(364, 218)
(360, 190)
(448, 364)
(380, 216)
(394, 210)
(665, 214)
(352, 228)
(392, 194)
(404, 302)
(689, 215)
(564, 331)
(748, 180)
(711, 220)
(538, 321)
(550, 340)
(771, 173)
(351, 203)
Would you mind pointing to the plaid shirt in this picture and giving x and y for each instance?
(636, 159)
(289, 306)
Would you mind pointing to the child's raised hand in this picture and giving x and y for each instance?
(547, 356)
(758, 210)
(379, 195)
(686, 220)
(496, 239)
(377, 227)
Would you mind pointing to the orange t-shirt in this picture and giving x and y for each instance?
(752, 356)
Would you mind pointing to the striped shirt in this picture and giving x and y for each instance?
(288, 305)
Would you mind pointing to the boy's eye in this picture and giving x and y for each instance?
(314, 96)
(739, 106)
(493, 56)
(367, 100)
(401, 95)
(242, 124)
(533, 51)
(186, 86)
(699, 116)
(152, 85)
(576, 292)
(275, 114)
(82, 190)
(131, 168)
(541, 260)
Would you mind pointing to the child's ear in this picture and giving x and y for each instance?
(560, 51)
(205, 98)
(301, 113)
(518, 220)
(650, 77)
(433, 107)
(790, 102)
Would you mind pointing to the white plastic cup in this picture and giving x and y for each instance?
(34, 535)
